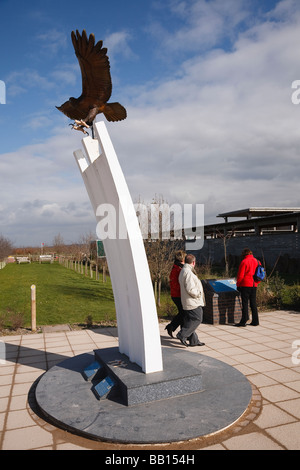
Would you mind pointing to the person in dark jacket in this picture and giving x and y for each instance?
(175, 292)
(248, 287)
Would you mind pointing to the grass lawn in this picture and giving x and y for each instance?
(62, 295)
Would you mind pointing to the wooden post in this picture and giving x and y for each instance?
(33, 308)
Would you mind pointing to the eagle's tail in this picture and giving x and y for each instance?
(114, 112)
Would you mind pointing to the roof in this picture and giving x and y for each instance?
(283, 221)
(259, 212)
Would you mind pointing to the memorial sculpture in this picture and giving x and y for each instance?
(96, 85)
(99, 394)
(137, 320)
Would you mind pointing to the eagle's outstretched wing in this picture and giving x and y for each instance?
(94, 65)
(96, 83)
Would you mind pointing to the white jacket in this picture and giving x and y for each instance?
(191, 290)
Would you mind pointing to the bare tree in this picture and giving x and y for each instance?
(6, 247)
(58, 244)
(84, 245)
(160, 246)
(225, 237)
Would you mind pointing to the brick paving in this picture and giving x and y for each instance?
(264, 354)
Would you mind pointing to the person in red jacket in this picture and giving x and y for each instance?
(247, 286)
(175, 292)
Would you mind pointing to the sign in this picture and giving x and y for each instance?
(100, 249)
(91, 370)
(104, 387)
(223, 285)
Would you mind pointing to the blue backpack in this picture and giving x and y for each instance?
(260, 273)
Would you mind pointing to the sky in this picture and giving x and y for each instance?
(207, 85)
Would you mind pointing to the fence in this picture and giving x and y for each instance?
(93, 270)
(2, 264)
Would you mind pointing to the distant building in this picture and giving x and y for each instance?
(272, 233)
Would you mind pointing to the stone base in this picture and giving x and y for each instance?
(221, 306)
(152, 413)
(179, 377)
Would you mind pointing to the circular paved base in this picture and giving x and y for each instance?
(67, 401)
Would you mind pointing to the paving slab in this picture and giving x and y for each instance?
(55, 328)
(253, 441)
(287, 435)
(271, 423)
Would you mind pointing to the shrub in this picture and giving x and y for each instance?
(2, 321)
(270, 293)
(89, 321)
(275, 293)
(291, 297)
(264, 296)
(170, 309)
(16, 320)
(276, 286)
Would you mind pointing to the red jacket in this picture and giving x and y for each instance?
(174, 283)
(245, 273)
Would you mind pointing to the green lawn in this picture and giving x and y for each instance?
(62, 295)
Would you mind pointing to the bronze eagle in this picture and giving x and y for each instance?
(96, 85)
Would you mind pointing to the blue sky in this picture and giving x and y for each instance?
(207, 87)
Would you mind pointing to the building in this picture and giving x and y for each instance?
(272, 233)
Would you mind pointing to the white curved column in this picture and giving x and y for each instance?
(137, 320)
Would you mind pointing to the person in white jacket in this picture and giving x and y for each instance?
(192, 299)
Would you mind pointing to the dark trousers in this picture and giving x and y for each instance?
(191, 320)
(248, 295)
(178, 319)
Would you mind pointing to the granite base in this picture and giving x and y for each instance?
(67, 399)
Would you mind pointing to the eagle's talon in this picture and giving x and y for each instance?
(78, 128)
(81, 123)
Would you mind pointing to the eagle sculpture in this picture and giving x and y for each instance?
(96, 85)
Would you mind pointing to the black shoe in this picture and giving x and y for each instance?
(240, 324)
(182, 340)
(198, 344)
(253, 324)
(169, 330)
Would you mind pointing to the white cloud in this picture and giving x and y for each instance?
(118, 44)
(221, 131)
(37, 121)
(66, 74)
(21, 81)
(202, 24)
(223, 125)
(51, 41)
(44, 192)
